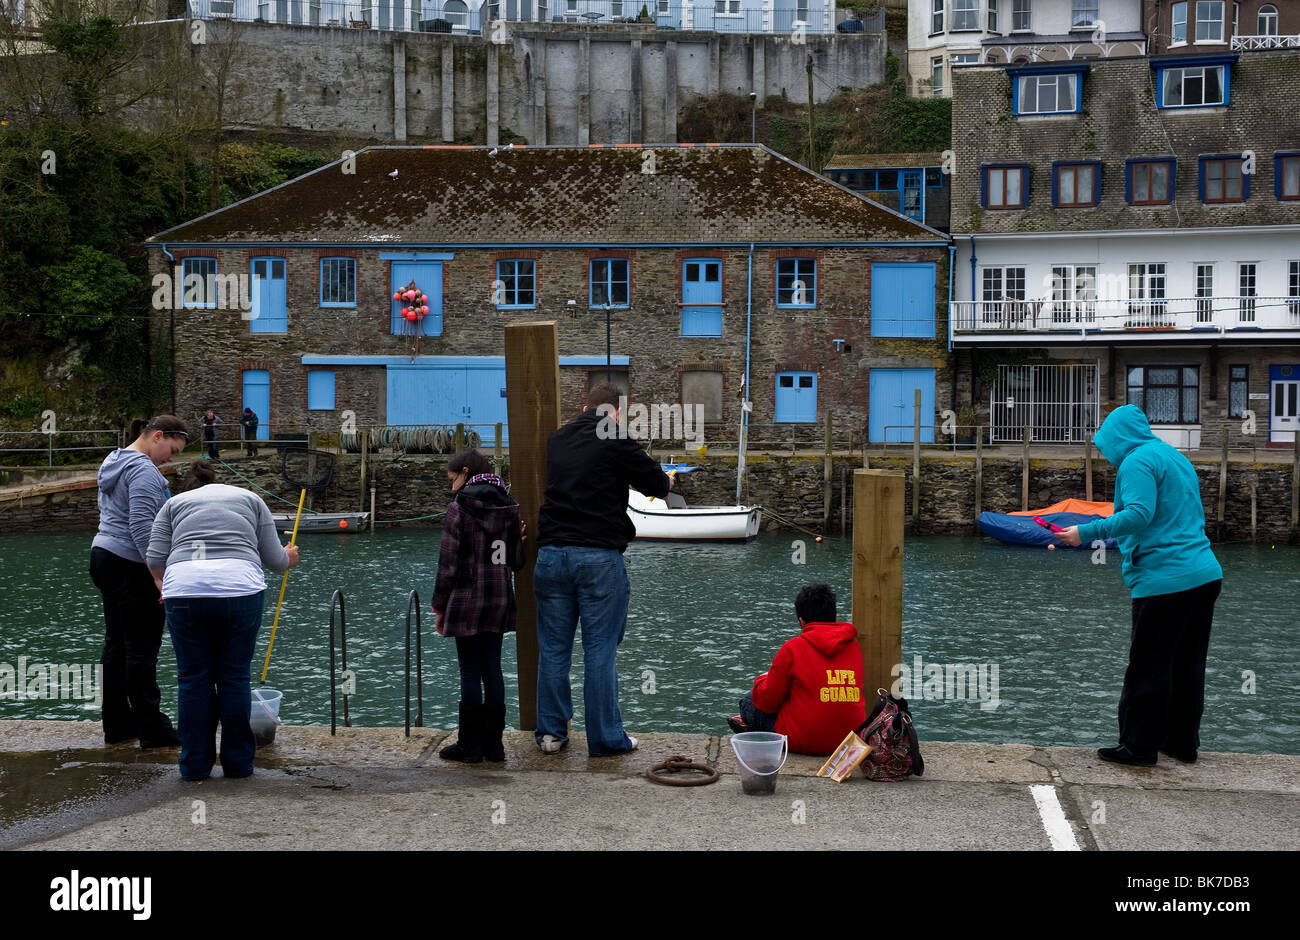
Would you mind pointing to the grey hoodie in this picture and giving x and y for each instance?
(131, 491)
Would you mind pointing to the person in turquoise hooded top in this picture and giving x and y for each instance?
(1174, 580)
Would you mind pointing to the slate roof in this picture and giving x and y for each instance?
(888, 161)
(703, 194)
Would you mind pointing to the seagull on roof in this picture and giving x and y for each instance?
(492, 152)
(393, 175)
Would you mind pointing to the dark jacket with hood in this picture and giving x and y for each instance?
(815, 687)
(481, 548)
(1158, 521)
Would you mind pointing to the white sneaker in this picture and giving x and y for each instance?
(633, 740)
(551, 744)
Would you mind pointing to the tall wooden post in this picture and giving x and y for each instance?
(533, 409)
(1087, 469)
(311, 466)
(826, 478)
(1223, 489)
(979, 473)
(916, 456)
(1024, 473)
(363, 443)
(496, 458)
(878, 500)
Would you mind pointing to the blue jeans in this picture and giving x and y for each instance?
(214, 639)
(576, 582)
(756, 719)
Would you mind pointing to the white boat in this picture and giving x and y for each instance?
(674, 520)
(322, 521)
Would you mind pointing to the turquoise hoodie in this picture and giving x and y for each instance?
(1158, 518)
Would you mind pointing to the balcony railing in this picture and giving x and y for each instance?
(1173, 313)
(1246, 43)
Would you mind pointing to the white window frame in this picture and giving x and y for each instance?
(1209, 21)
(1178, 18)
(726, 7)
(1002, 294)
(1039, 80)
(936, 16)
(1203, 279)
(661, 7)
(993, 16)
(1148, 285)
(1084, 8)
(936, 66)
(1293, 288)
(1074, 293)
(1186, 71)
(965, 11)
(1247, 290)
(1022, 16)
(1266, 20)
(964, 58)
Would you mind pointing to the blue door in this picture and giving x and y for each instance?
(892, 405)
(796, 396)
(485, 401)
(269, 312)
(913, 195)
(702, 284)
(427, 276)
(902, 299)
(257, 395)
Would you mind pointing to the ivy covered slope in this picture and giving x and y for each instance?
(879, 119)
(78, 194)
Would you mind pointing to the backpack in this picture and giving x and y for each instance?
(895, 752)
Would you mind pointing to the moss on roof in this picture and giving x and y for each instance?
(458, 195)
(874, 161)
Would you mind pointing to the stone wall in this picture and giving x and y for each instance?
(408, 486)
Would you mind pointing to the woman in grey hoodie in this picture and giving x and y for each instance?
(131, 491)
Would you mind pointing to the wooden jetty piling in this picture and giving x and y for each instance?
(878, 515)
(916, 457)
(826, 478)
(533, 411)
(1223, 490)
(1087, 469)
(1024, 473)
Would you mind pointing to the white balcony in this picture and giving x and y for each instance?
(1246, 43)
(1119, 320)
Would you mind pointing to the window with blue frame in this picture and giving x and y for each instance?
(1076, 184)
(198, 282)
(796, 282)
(1055, 90)
(338, 282)
(609, 282)
(1004, 187)
(796, 397)
(270, 312)
(1286, 175)
(1149, 182)
(517, 285)
(320, 390)
(1223, 179)
(702, 297)
(1200, 82)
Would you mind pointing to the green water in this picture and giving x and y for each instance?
(706, 618)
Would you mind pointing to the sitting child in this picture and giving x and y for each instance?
(813, 692)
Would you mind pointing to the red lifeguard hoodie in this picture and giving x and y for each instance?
(815, 687)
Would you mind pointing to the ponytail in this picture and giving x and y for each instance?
(170, 425)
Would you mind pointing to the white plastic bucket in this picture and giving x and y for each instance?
(264, 715)
(761, 754)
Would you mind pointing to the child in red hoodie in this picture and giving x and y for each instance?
(813, 692)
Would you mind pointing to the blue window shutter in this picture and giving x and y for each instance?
(984, 187)
(1160, 88)
(1024, 185)
(320, 390)
(1015, 94)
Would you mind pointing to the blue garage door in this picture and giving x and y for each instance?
(257, 395)
(902, 299)
(448, 395)
(892, 405)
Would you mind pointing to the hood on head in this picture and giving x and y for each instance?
(829, 638)
(116, 464)
(1124, 430)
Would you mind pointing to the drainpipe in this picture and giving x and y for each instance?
(745, 390)
(171, 327)
(972, 272)
(952, 257)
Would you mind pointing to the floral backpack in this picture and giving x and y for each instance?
(895, 753)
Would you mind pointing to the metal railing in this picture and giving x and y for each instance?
(336, 603)
(413, 603)
(43, 443)
(1245, 43)
(456, 17)
(1200, 314)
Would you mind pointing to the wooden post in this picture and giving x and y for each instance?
(533, 410)
(878, 500)
(363, 442)
(826, 477)
(372, 506)
(1252, 512)
(311, 466)
(1295, 489)
(916, 457)
(979, 472)
(497, 459)
(1223, 489)
(458, 441)
(844, 501)
(1024, 473)
(1087, 469)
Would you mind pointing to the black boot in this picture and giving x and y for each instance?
(493, 722)
(467, 749)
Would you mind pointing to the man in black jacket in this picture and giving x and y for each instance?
(583, 530)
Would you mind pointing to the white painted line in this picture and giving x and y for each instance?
(1053, 817)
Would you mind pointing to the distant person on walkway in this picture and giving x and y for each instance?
(249, 422)
(1174, 579)
(580, 575)
(813, 692)
(210, 424)
(474, 599)
(131, 491)
(206, 553)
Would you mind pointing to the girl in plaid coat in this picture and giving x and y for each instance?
(474, 598)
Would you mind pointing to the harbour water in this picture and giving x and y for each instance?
(1001, 644)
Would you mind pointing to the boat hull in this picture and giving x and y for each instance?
(322, 521)
(654, 520)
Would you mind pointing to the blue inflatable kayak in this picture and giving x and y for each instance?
(1023, 530)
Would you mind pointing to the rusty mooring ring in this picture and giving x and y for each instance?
(677, 764)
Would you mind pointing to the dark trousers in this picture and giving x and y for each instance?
(133, 620)
(481, 681)
(250, 439)
(1164, 685)
(214, 639)
(212, 449)
(757, 720)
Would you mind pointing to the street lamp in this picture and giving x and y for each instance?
(602, 300)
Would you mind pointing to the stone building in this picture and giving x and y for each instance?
(706, 264)
(1201, 27)
(1128, 230)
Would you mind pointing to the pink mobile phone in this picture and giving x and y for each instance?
(1048, 525)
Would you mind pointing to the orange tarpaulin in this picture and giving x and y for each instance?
(1072, 505)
